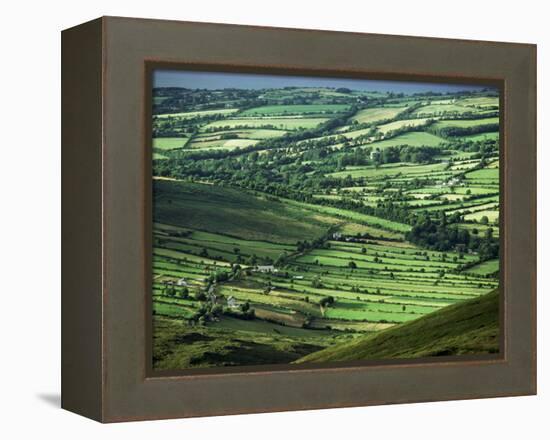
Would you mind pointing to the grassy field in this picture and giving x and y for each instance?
(280, 123)
(486, 268)
(370, 115)
(222, 144)
(270, 110)
(485, 101)
(189, 115)
(440, 109)
(384, 128)
(466, 123)
(482, 137)
(382, 172)
(169, 143)
(415, 139)
(207, 207)
(389, 284)
(312, 224)
(466, 328)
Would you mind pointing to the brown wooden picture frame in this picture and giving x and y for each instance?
(106, 215)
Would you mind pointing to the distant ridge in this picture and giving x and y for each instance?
(470, 327)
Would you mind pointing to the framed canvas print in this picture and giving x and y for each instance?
(305, 219)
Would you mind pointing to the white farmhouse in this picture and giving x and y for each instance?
(265, 269)
(232, 303)
(182, 282)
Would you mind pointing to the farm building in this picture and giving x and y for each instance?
(375, 154)
(182, 282)
(232, 302)
(451, 182)
(265, 269)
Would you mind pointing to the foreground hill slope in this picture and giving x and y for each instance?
(470, 327)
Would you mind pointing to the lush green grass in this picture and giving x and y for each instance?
(483, 101)
(295, 109)
(217, 245)
(413, 139)
(491, 214)
(353, 216)
(260, 134)
(400, 124)
(218, 216)
(188, 115)
(465, 122)
(469, 327)
(490, 174)
(353, 134)
(257, 134)
(279, 123)
(480, 228)
(177, 346)
(169, 143)
(357, 228)
(371, 115)
(237, 213)
(485, 268)
(402, 169)
(481, 137)
(225, 144)
(441, 109)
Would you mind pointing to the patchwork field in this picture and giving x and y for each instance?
(296, 224)
(307, 109)
(169, 143)
(376, 114)
(276, 123)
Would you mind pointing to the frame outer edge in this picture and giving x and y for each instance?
(81, 185)
(533, 58)
(126, 396)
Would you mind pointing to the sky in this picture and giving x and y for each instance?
(219, 80)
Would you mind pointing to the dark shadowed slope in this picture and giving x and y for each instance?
(470, 327)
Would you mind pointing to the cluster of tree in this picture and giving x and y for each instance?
(288, 140)
(170, 290)
(229, 136)
(408, 128)
(317, 283)
(179, 233)
(285, 169)
(305, 245)
(310, 144)
(471, 93)
(207, 312)
(220, 276)
(469, 115)
(179, 99)
(368, 156)
(174, 126)
(485, 147)
(437, 234)
(449, 131)
(326, 301)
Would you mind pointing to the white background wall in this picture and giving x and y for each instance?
(30, 219)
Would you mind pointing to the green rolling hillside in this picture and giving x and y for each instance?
(469, 327)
